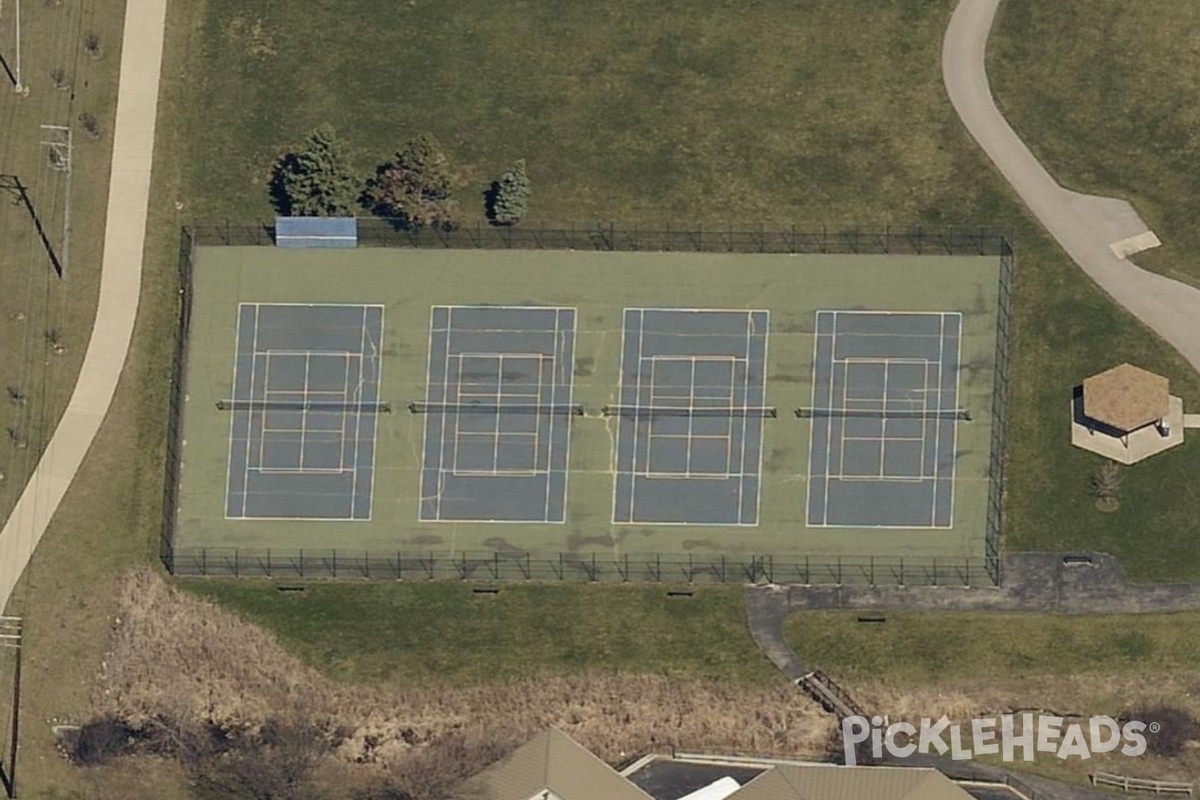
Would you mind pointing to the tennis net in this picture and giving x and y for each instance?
(645, 412)
(305, 405)
(563, 409)
(872, 413)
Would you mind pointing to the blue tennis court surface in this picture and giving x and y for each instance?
(304, 404)
(690, 428)
(499, 410)
(885, 395)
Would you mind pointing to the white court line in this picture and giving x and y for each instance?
(745, 419)
(304, 409)
(954, 423)
(538, 424)
(942, 316)
(237, 355)
(422, 488)
(673, 309)
(567, 363)
(883, 445)
(346, 416)
(496, 420)
(637, 421)
(766, 343)
(812, 421)
(458, 382)
(445, 417)
(357, 392)
(250, 411)
(937, 428)
(376, 360)
(312, 352)
(656, 392)
(729, 422)
(615, 464)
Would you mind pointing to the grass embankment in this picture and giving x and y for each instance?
(982, 665)
(422, 633)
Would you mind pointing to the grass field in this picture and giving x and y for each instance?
(601, 285)
(423, 634)
(37, 308)
(1105, 94)
(837, 115)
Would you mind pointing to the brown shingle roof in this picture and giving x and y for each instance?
(829, 782)
(555, 764)
(1126, 397)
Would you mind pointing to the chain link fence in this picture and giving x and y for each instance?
(495, 566)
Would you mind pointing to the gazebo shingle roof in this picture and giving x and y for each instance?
(1126, 397)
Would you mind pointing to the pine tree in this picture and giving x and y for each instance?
(510, 196)
(316, 180)
(417, 187)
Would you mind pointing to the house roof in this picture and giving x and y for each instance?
(827, 782)
(1126, 397)
(555, 764)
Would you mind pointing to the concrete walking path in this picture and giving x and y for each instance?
(120, 286)
(1095, 231)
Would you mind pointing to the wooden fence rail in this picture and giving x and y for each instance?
(1140, 784)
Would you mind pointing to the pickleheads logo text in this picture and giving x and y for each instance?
(1004, 736)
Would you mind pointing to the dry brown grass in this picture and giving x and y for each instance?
(175, 655)
(1070, 696)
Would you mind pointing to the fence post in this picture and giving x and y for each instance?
(237, 554)
(334, 563)
(268, 562)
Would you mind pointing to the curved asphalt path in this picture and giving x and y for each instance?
(1088, 227)
(120, 286)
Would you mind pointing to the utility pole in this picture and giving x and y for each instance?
(10, 639)
(58, 140)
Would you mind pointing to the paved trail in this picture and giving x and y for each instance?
(120, 285)
(1095, 231)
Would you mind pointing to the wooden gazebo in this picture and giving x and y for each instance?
(1125, 399)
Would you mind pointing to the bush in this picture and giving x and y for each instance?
(416, 188)
(99, 741)
(278, 765)
(507, 200)
(315, 180)
(1176, 728)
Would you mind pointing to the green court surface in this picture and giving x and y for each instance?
(599, 286)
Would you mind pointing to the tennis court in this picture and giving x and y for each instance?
(691, 412)
(884, 419)
(303, 408)
(497, 414)
(524, 402)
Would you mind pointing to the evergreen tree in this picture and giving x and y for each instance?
(509, 196)
(316, 180)
(416, 187)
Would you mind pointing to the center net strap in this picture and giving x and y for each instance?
(858, 413)
(496, 408)
(644, 412)
(380, 407)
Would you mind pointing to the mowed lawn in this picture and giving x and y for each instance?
(1105, 92)
(747, 114)
(917, 650)
(433, 633)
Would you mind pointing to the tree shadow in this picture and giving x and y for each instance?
(278, 188)
(490, 197)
